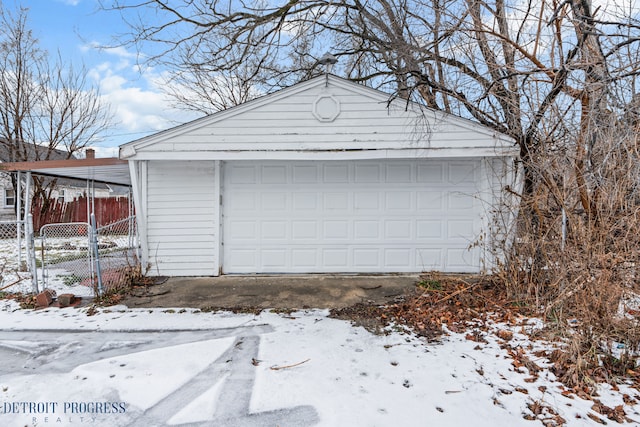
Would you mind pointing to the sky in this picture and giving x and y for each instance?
(76, 29)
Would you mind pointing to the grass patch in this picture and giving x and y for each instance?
(430, 284)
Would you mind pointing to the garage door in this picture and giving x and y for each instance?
(350, 216)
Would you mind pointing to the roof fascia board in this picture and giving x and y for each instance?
(334, 154)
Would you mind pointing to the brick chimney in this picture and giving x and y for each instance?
(90, 153)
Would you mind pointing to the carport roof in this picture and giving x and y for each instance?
(108, 170)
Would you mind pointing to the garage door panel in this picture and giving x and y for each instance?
(243, 174)
(460, 229)
(458, 201)
(397, 230)
(366, 229)
(366, 200)
(367, 173)
(336, 173)
(274, 259)
(460, 259)
(242, 260)
(305, 201)
(349, 216)
(274, 174)
(305, 174)
(399, 173)
(430, 173)
(304, 258)
(398, 258)
(336, 201)
(274, 201)
(335, 230)
(305, 231)
(366, 258)
(398, 200)
(241, 230)
(430, 200)
(429, 229)
(461, 173)
(274, 230)
(335, 259)
(242, 200)
(429, 259)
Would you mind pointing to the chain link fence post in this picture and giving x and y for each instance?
(31, 254)
(96, 254)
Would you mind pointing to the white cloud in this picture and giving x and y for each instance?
(139, 105)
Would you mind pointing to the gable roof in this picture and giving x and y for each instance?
(324, 117)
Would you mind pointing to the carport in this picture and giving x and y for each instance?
(91, 170)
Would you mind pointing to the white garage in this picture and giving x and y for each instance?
(327, 176)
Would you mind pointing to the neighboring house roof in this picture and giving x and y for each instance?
(33, 152)
(324, 117)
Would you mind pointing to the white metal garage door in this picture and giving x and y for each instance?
(350, 216)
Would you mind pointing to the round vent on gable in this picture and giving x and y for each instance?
(326, 108)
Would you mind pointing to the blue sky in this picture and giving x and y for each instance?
(75, 28)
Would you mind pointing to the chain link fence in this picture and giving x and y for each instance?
(63, 254)
(12, 247)
(73, 254)
(117, 245)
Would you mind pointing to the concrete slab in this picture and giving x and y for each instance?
(278, 292)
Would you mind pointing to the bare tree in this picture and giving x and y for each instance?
(48, 110)
(504, 64)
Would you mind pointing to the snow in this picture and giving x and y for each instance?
(181, 366)
(68, 267)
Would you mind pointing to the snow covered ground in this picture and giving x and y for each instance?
(153, 367)
(68, 267)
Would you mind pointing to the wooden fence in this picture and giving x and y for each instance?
(107, 210)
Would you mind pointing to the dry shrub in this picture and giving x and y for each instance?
(118, 283)
(576, 253)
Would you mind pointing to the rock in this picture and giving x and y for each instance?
(45, 298)
(65, 300)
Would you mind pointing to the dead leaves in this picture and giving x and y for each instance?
(616, 414)
(505, 334)
(521, 360)
(545, 413)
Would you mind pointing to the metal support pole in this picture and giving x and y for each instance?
(28, 224)
(31, 253)
(19, 217)
(96, 257)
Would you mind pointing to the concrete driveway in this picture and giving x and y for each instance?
(279, 292)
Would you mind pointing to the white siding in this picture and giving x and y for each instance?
(182, 219)
(289, 121)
